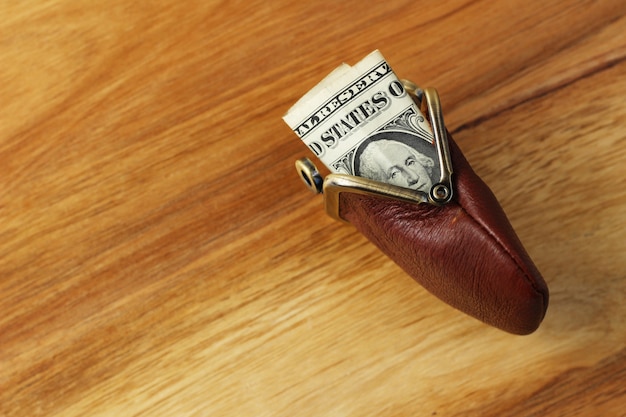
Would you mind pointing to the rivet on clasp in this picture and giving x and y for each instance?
(309, 174)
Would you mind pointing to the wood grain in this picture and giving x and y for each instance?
(159, 256)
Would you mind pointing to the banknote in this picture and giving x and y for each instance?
(360, 120)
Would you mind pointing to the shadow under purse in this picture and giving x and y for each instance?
(457, 242)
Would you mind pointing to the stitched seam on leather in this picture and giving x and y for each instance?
(494, 237)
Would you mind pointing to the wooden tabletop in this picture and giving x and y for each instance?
(159, 255)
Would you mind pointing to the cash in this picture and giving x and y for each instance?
(361, 121)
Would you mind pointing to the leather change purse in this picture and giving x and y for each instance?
(455, 241)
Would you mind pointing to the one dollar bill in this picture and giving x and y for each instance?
(361, 121)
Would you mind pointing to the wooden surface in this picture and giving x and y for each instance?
(160, 257)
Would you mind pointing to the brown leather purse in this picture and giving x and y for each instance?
(461, 247)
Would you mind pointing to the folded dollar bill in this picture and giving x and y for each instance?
(361, 121)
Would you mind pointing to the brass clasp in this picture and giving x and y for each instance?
(334, 184)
